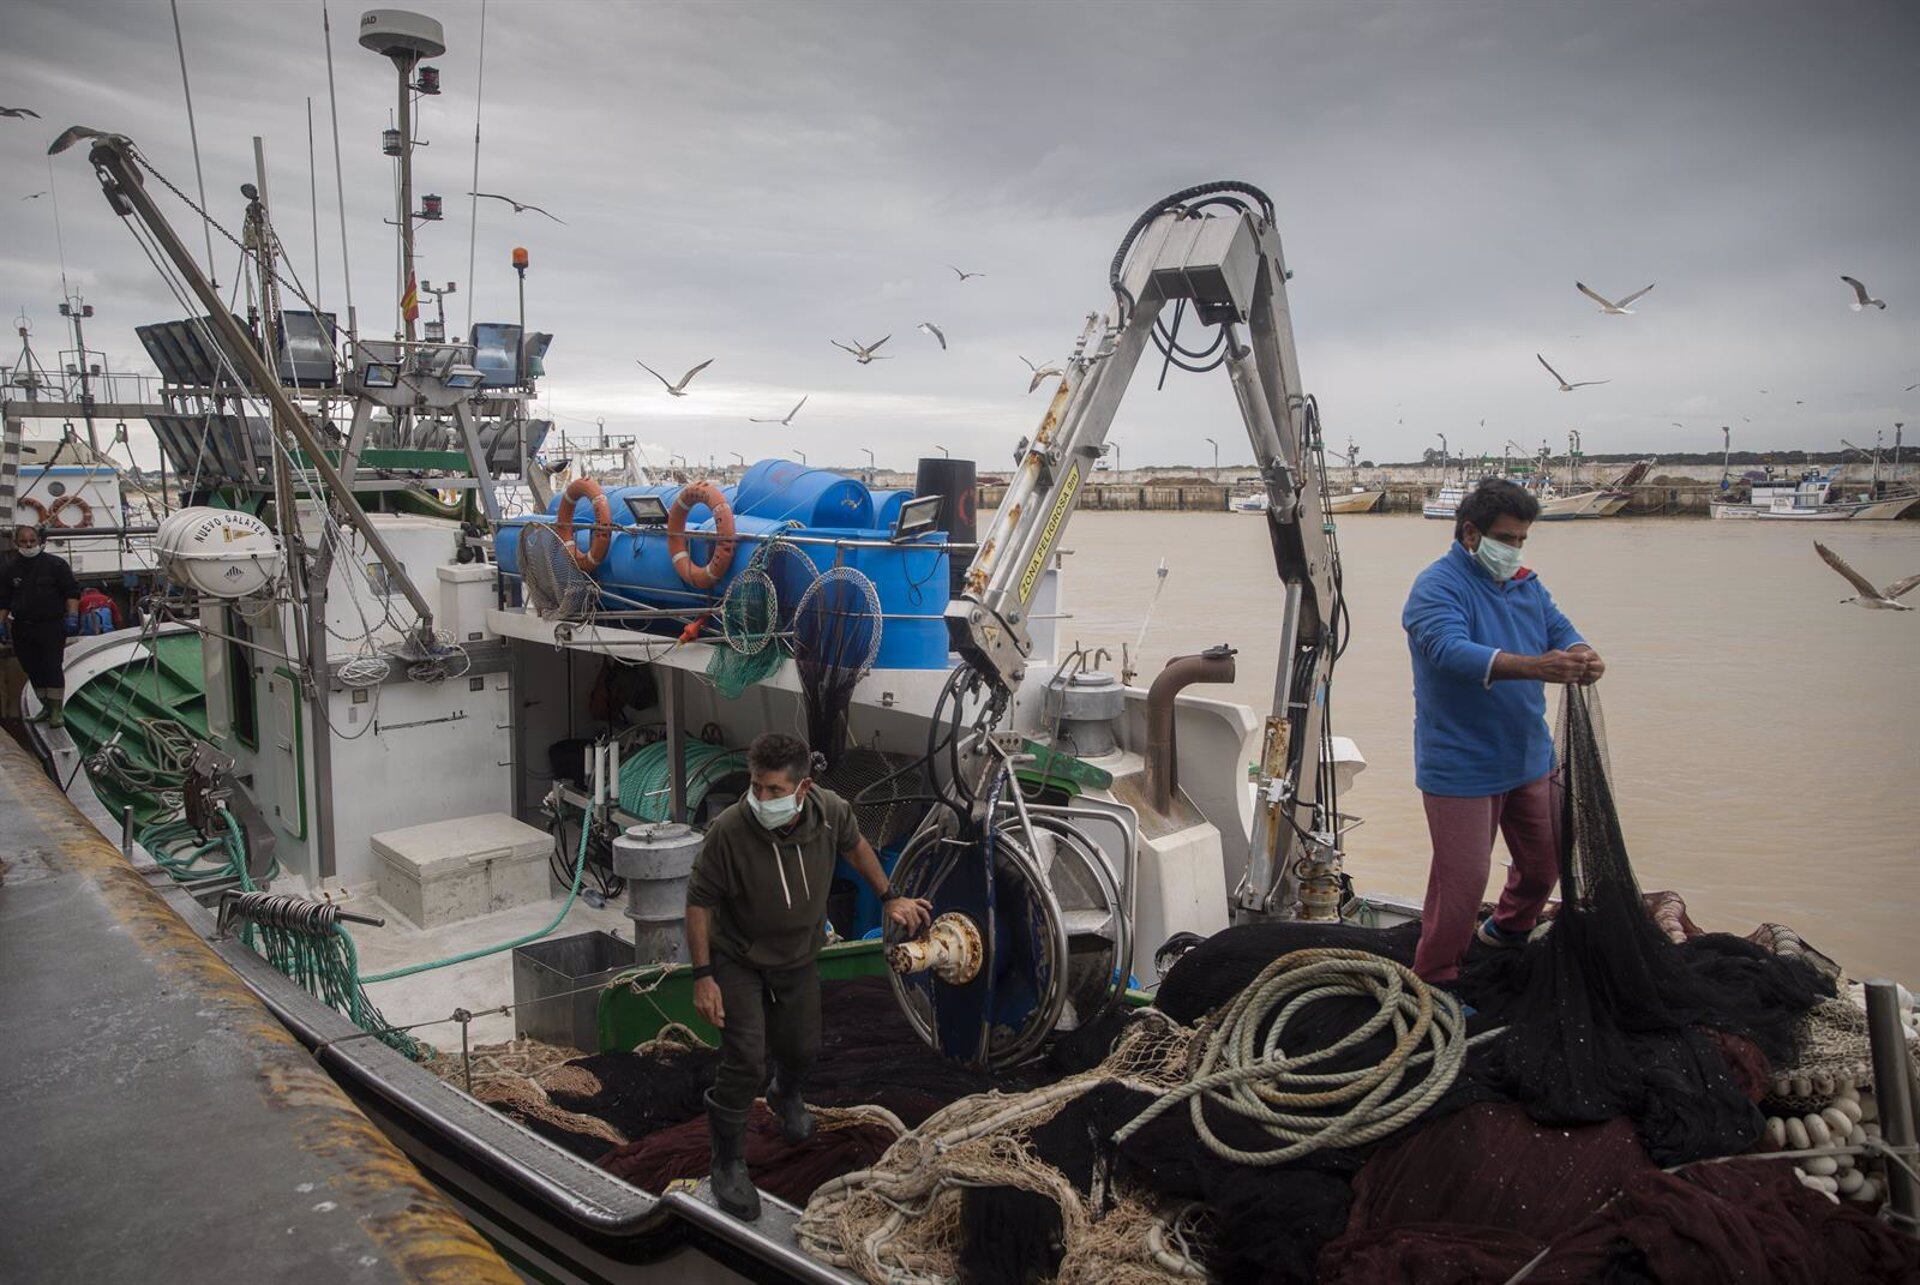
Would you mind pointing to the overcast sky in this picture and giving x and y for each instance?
(745, 181)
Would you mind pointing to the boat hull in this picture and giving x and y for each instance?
(1356, 502)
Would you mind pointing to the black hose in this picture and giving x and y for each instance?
(1176, 201)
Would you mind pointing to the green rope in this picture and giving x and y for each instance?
(186, 854)
(327, 966)
(579, 868)
(646, 787)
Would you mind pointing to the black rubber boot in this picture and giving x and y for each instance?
(733, 1187)
(789, 1108)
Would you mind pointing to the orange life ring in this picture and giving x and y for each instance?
(696, 575)
(61, 504)
(27, 501)
(584, 488)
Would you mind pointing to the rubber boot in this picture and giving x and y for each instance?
(789, 1108)
(46, 707)
(733, 1187)
(56, 707)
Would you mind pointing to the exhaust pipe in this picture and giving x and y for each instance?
(1214, 665)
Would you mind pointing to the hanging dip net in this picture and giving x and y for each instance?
(749, 617)
(836, 639)
(1607, 1015)
(555, 586)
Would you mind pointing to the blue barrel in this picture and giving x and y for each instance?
(638, 569)
(616, 501)
(911, 580)
(887, 506)
(780, 489)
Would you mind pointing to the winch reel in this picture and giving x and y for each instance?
(1032, 930)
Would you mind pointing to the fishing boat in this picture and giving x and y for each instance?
(430, 783)
(1446, 502)
(1812, 497)
(1252, 502)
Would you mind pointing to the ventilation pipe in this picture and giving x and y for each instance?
(1214, 665)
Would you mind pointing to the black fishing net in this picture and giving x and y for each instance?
(1605, 1015)
(836, 639)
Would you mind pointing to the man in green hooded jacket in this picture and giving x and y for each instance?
(756, 917)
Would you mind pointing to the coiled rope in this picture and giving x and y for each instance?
(1245, 1068)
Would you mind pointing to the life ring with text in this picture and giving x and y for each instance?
(28, 502)
(585, 488)
(71, 500)
(698, 575)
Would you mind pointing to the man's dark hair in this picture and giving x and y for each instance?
(1494, 498)
(779, 752)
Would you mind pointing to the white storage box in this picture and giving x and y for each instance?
(446, 871)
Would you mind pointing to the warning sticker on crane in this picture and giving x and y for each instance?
(1057, 518)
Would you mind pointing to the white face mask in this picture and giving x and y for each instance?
(1500, 560)
(32, 552)
(774, 813)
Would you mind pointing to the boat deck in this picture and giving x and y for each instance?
(132, 1057)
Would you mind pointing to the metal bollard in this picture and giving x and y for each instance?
(1892, 1095)
(126, 832)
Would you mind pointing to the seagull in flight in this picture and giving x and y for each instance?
(935, 331)
(1565, 387)
(1861, 299)
(33, 196)
(787, 419)
(862, 353)
(519, 207)
(1041, 373)
(964, 275)
(1870, 597)
(71, 135)
(679, 389)
(1909, 388)
(16, 113)
(1607, 305)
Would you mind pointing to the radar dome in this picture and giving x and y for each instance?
(396, 31)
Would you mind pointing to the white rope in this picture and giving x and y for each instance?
(1253, 1076)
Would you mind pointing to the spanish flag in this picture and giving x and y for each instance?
(410, 302)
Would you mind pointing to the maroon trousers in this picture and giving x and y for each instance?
(1463, 831)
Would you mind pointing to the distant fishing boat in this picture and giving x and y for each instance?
(1251, 503)
(1447, 502)
(1810, 498)
(1358, 500)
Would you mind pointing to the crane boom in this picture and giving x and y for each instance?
(1227, 268)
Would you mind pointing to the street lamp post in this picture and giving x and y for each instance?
(739, 457)
(802, 455)
(1216, 452)
(1443, 455)
(943, 450)
(871, 465)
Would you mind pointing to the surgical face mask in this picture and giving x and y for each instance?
(774, 813)
(31, 551)
(1500, 560)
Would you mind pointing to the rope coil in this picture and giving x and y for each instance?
(1244, 1066)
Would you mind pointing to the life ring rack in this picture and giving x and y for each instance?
(585, 488)
(708, 574)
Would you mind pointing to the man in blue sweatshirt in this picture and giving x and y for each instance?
(1485, 637)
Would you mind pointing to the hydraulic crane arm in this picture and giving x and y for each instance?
(1213, 250)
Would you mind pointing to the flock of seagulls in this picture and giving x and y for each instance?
(863, 353)
(1863, 299)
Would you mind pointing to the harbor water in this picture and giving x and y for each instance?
(1765, 739)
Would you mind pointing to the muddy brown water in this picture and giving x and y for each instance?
(1765, 740)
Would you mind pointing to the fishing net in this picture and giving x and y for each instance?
(836, 639)
(556, 587)
(901, 1220)
(749, 618)
(887, 821)
(846, 1139)
(1606, 1016)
